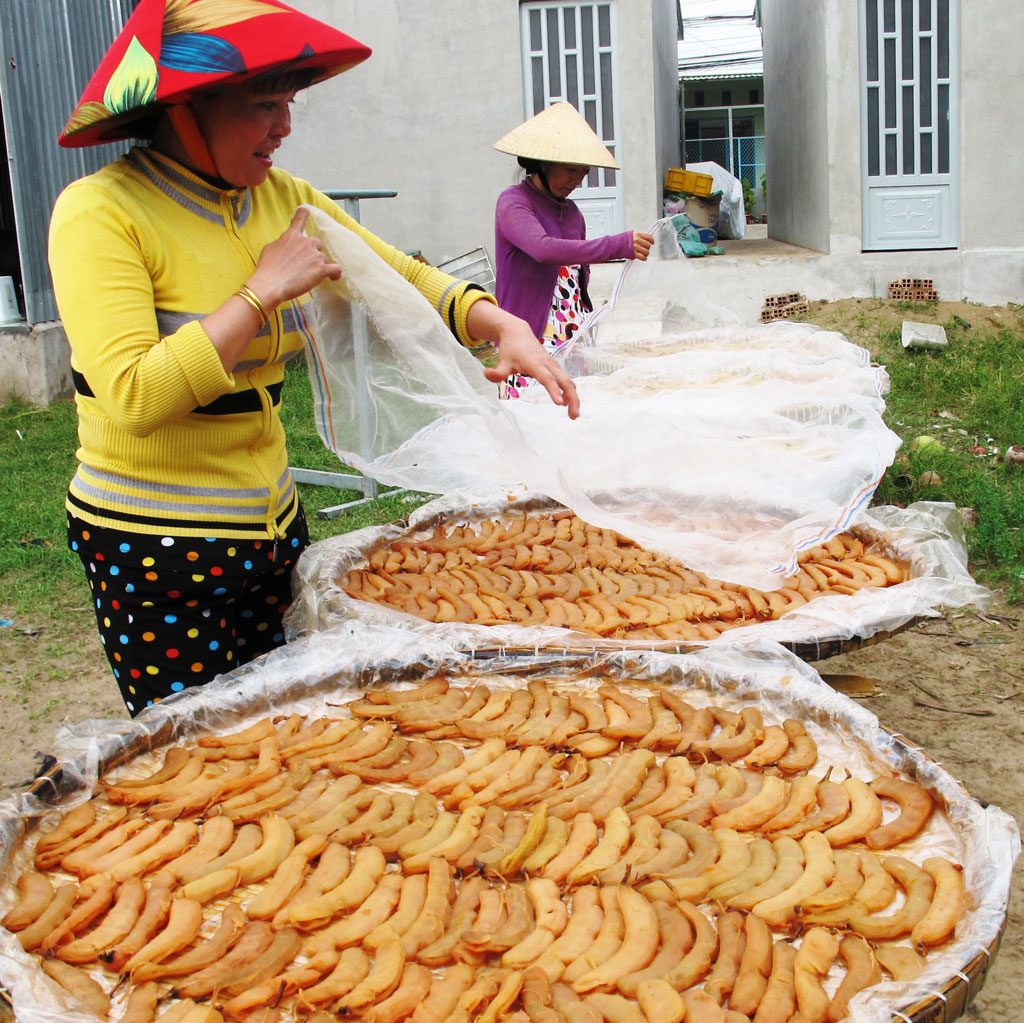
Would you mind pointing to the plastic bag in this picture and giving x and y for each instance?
(732, 217)
(677, 470)
(688, 235)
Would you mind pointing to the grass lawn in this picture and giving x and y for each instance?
(968, 396)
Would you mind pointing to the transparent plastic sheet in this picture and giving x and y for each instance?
(658, 296)
(657, 466)
(657, 308)
(706, 370)
(308, 675)
(615, 342)
(654, 296)
(928, 535)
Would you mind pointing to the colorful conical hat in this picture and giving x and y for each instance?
(559, 134)
(170, 50)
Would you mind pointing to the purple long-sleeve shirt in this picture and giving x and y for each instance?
(535, 234)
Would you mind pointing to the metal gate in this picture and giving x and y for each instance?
(49, 48)
(570, 54)
(910, 121)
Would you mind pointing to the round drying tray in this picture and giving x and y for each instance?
(806, 650)
(945, 1004)
(813, 631)
(821, 649)
(951, 1000)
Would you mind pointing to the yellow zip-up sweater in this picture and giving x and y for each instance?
(169, 443)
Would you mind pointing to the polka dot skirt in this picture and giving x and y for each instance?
(564, 319)
(175, 611)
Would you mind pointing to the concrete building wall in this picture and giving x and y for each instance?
(812, 122)
(796, 83)
(667, 137)
(649, 106)
(35, 363)
(444, 83)
(992, 158)
(991, 98)
(841, 55)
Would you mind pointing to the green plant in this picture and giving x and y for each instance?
(968, 396)
(51, 704)
(749, 197)
(37, 450)
(764, 189)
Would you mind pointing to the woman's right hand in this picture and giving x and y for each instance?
(288, 267)
(642, 244)
(291, 265)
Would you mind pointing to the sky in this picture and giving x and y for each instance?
(720, 34)
(709, 8)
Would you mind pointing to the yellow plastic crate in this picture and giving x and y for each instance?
(680, 180)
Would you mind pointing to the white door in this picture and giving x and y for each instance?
(570, 54)
(910, 123)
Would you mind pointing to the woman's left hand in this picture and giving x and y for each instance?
(519, 351)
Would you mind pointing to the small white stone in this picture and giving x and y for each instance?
(923, 335)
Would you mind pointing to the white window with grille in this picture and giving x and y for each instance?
(570, 54)
(910, 133)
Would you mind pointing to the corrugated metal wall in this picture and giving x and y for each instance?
(48, 50)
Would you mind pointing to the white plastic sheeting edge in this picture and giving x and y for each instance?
(928, 535)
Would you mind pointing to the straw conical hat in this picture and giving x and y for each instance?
(558, 135)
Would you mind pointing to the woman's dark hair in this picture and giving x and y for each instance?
(285, 79)
(529, 164)
(144, 127)
(279, 80)
(532, 166)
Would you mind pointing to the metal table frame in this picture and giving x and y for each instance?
(369, 487)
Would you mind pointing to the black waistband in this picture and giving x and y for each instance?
(213, 527)
(225, 405)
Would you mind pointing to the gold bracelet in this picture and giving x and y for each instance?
(253, 299)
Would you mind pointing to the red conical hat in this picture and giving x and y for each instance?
(172, 49)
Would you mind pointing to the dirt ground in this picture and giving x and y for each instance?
(862, 320)
(955, 687)
(952, 685)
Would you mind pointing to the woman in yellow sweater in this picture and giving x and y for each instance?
(179, 272)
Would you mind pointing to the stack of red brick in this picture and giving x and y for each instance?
(913, 289)
(781, 307)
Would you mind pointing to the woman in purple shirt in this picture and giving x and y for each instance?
(542, 253)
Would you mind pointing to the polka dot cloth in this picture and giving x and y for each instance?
(175, 611)
(566, 314)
